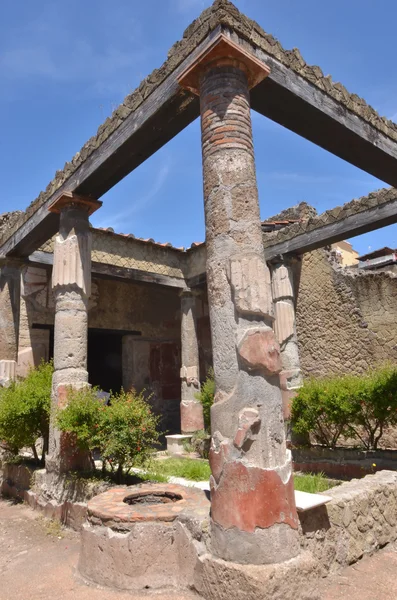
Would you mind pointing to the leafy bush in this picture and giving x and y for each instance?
(125, 432)
(206, 396)
(323, 408)
(25, 410)
(375, 406)
(354, 407)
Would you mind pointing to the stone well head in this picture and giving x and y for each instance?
(135, 537)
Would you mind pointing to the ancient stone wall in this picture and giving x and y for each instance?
(346, 320)
(360, 519)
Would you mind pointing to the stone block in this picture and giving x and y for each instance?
(72, 262)
(189, 372)
(295, 579)
(250, 282)
(175, 443)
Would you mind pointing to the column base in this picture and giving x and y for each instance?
(192, 417)
(67, 457)
(277, 543)
(295, 579)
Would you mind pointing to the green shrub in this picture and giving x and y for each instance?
(375, 405)
(359, 408)
(25, 410)
(125, 432)
(323, 408)
(206, 396)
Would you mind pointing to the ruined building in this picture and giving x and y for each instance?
(346, 319)
(139, 313)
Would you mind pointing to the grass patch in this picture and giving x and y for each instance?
(312, 483)
(189, 468)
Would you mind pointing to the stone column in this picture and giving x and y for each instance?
(192, 418)
(285, 329)
(71, 283)
(253, 511)
(10, 277)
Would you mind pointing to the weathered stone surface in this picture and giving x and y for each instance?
(10, 278)
(239, 292)
(294, 579)
(251, 498)
(250, 281)
(360, 518)
(71, 280)
(285, 329)
(248, 425)
(356, 314)
(259, 349)
(192, 417)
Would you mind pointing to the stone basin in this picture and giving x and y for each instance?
(148, 502)
(138, 537)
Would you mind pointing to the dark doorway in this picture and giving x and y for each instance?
(105, 359)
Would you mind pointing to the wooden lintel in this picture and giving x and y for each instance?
(292, 101)
(362, 222)
(105, 271)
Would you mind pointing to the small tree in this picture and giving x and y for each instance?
(25, 410)
(125, 432)
(206, 396)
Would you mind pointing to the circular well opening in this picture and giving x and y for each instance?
(152, 498)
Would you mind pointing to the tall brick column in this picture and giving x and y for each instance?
(192, 418)
(10, 286)
(285, 329)
(71, 283)
(254, 518)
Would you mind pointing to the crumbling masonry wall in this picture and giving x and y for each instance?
(346, 320)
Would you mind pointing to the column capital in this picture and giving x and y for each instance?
(223, 52)
(284, 259)
(72, 200)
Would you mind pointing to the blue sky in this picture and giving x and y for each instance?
(64, 66)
